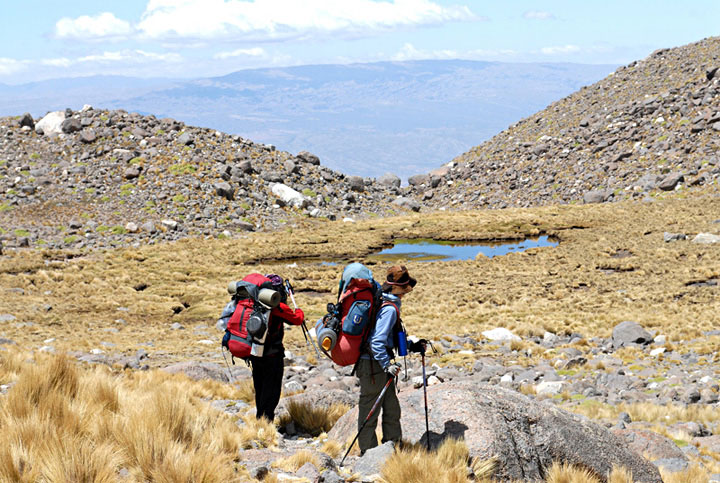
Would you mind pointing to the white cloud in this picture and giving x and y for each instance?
(135, 56)
(538, 15)
(11, 66)
(102, 26)
(283, 19)
(254, 52)
(562, 49)
(409, 52)
(58, 62)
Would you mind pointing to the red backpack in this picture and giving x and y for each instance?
(343, 331)
(247, 327)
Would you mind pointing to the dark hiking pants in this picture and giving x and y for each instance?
(267, 373)
(372, 380)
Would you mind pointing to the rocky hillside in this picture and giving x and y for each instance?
(651, 125)
(102, 178)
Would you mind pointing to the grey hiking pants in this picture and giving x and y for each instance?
(372, 380)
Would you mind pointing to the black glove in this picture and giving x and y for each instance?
(418, 346)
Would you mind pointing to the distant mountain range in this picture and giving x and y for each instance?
(361, 119)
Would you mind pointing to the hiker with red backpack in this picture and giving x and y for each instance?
(376, 368)
(255, 321)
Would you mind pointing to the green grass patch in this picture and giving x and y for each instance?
(118, 230)
(126, 189)
(179, 198)
(309, 193)
(70, 239)
(182, 168)
(636, 368)
(90, 191)
(245, 206)
(102, 229)
(657, 379)
(137, 160)
(105, 199)
(567, 372)
(34, 156)
(21, 232)
(577, 397)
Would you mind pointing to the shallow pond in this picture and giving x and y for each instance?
(438, 250)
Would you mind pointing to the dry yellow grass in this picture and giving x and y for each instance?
(567, 473)
(313, 420)
(578, 286)
(62, 422)
(296, 461)
(448, 464)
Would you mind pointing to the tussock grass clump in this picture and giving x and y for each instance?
(311, 419)
(693, 474)
(568, 473)
(296, 461)
(64, 422)
(448, 464)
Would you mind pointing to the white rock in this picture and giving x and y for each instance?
(49, 341)
(500, 333)
(289, 195)
(170, 224)
(50, 124)
(507, 377)
(47, 348)
(432, 380)
(131, 227)
(466, 352)
(706, 238)
(417, 381)
(293, 386)
(348, 220)
(549, 388)
(657, 352)
(706, 380)
(549, 337)
(207, 342)
(86, 108)
(97, 352)
(660, 339)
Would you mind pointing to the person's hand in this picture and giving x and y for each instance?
(300, 313)
(419, 346)
(393, 369)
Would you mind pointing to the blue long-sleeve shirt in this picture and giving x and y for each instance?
(381, 337)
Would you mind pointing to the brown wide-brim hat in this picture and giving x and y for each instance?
(398, 275)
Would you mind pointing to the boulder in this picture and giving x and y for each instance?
(500, 334)
(185, 139)
(356, 183)
(525, 435)
(370, 464)
(597, 196)
(648, 181)
(289, 196)
(51, 123)
(418, 179)
(88, 135)
(706, 238)
(71, 125)
(206, 370)
(389, 180)
(670, 181)
(309, 158)
(407, 203)
(629, 332)
(650, 443)
(224, 189)
(27, 120)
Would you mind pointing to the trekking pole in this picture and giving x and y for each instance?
(305, 330)
(372, 410)
(230, 377)
(427, 424)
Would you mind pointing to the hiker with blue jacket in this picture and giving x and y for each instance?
(376, 365)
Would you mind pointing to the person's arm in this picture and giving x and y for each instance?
(383, 328)
(293, 317)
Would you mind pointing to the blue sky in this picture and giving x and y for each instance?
(199, 38)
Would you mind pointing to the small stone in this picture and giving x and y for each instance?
(177, 326)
